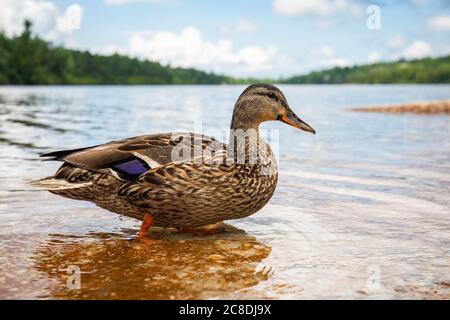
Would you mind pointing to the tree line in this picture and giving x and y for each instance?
(428, 70)
(28, 59)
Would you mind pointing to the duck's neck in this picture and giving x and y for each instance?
(245, 141)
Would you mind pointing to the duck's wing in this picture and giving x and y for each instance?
(132, 157)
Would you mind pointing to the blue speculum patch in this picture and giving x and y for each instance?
(132, 168)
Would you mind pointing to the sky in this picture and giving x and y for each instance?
(243, 38)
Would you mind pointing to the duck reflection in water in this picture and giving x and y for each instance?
(175, 266)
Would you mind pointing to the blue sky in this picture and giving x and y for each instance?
(258, 38)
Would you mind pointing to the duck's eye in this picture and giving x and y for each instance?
(272, 95)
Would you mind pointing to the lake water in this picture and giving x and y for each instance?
(362, 209)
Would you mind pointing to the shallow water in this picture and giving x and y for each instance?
(362, 209)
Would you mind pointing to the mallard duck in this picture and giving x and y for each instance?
(181, 180)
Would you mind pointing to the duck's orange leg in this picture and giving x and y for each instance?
(147, 221)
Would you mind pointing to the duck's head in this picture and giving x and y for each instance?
(264, 102)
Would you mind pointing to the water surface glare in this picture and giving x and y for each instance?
(362, 209)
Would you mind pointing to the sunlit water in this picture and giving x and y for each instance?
(362, 209)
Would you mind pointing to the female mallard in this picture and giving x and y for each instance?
(181, 180)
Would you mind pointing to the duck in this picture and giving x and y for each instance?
(181, 180)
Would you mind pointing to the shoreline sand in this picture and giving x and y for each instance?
(432, 107)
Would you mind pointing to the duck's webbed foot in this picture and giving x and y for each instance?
(147, 221)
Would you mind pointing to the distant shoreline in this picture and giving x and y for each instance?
(3, 85)
(27, 59)
(431, 107)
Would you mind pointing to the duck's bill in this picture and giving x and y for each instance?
(296, 122)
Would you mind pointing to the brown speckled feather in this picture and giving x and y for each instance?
(157, 147)
(188, 193)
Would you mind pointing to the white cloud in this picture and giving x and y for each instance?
(70, 20)
(396, 41)
(439, 23)
(338, 62)
(418, 49)
(245, 26)
(373, 57)
(325, 51)
(418, 2)
(446, 50)
(325, 23)
(122, 2)
(324, 57)
(316, 7)
(242, 26)
(188, 48)
(47, 20)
